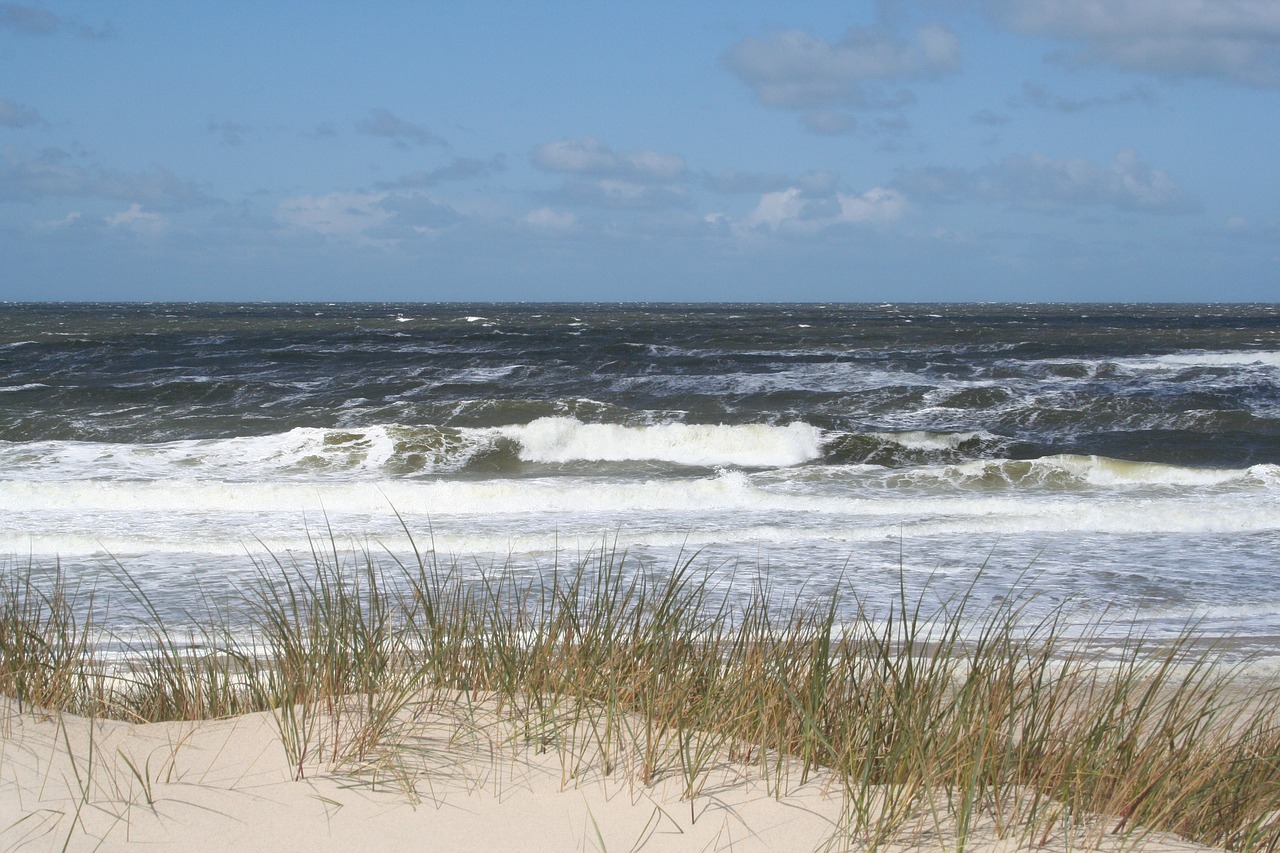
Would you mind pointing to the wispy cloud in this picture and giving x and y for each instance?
(1036, 182)
(1034, 95)
(794, 211)
(415, 214)
(54, 172)
(590, 156)
(796, 70)
(369, 219)
(809, 205)
(228, 132)
(989, 118)
(598, 176)
(460, 169)
(814, 182)
(34, 21)
(340, 217)
(1234, 40)
(618, 194)
(135, 220)
(549, 220)
(829, 122)
(13, 114)
(384, 123)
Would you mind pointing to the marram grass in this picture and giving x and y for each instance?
(951, 718)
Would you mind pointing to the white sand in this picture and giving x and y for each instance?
(226, 785)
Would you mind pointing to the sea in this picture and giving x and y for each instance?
(1117, 462)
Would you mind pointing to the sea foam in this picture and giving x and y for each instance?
(748, 445)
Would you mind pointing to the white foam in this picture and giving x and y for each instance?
(826, 377)
(1190, 359)
(747, 445)
(1098, 471)
(924, 440)
(298, 453)
(1225, 358)
(445, 497)
(1269, 475)
(725, 501)
(475, 375)
(1104, 471)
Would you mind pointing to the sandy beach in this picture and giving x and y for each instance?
(69, 783)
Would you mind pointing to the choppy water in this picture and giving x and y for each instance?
(1118, 456)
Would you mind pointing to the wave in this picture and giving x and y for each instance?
(397, 450)
(908, 447)
(1226, 358)
(1243, 361)
(728, 490)
(305, 452)
(747, 445)
(1070, 470)
(925, 440)
(961, 459)
(727, 499)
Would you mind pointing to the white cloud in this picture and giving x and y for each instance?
(409, 216)
(625, 192)
(55, 173)
(341, 217)
(661, 167)
(590, 156)
(598, 176)
(875, 205)
(794, 210)
(1236, 40)
(776, 208)
(546, 219)
(794, 69)
(371, 218)
(1125, 183)
(1239, 228)
(68, 221)
(1038, 182)
(137, 220)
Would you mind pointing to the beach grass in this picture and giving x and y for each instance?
(930, 721)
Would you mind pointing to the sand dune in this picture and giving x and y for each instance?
(70, 783)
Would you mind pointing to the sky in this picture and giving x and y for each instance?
(901, 150)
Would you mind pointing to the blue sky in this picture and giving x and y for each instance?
(929, 150)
